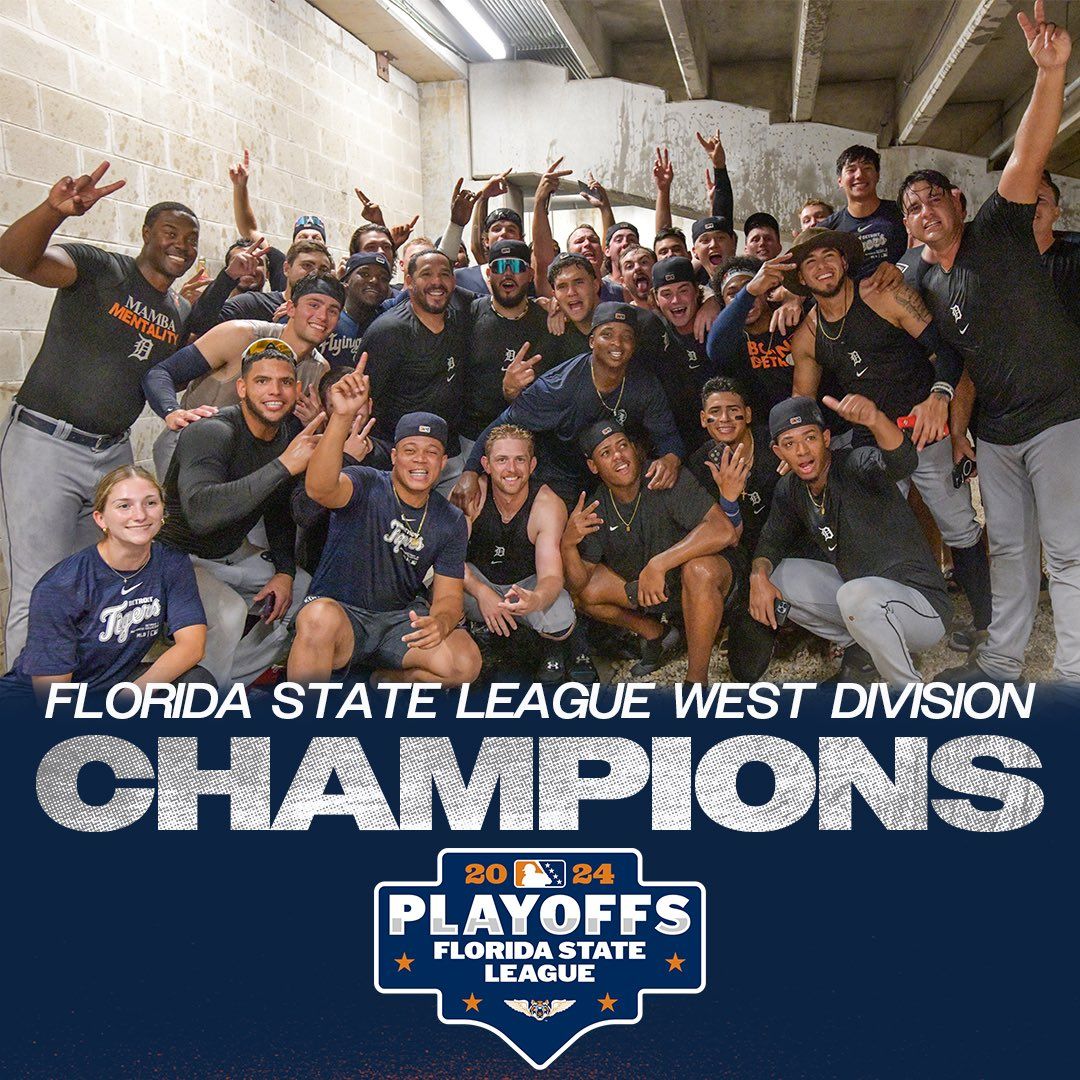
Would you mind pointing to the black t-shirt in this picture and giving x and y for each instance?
(493, 342)
(1062, 260)
(998, 307)
(683, 368)
(756, 498)
(221, 481)
(556, 349)
(379, 551)
(275, 261)
(103, 332)
(867, 528)
(257, 306)
(661, 520)
(413, 370)
(882, 234)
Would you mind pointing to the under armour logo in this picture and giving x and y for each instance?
(142, 348)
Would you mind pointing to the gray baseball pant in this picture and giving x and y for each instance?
(227, 588)
(555, 620)
(47, 487)
(950, 507)
(1031, 492)
(888, 619)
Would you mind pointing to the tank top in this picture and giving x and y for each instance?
(871, 357)
(501, 550)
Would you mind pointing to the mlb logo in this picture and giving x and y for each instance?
(539, 873)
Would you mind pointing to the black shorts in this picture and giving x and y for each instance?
(737, 601)
(376, 634)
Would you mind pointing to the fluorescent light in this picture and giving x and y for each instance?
(477, 27)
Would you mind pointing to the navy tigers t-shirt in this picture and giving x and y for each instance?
(378, 553)
(85, 620)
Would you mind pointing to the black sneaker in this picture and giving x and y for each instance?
(855, 667)
(582, 669)
(966, 673)
(486, 643)
(967, 639)
(553, 666)
(657, 653)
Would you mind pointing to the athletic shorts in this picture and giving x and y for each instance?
(376, 634)
(737, 601)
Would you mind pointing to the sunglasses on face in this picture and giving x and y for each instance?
(509, 266)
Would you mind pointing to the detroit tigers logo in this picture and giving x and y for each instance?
(142, 348)
(857, 363)
(828, 536)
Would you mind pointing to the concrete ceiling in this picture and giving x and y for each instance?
(945, 73)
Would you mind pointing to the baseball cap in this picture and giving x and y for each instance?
(711, 224)
(613, 229)
(421, 423)
(503, 213)
(612, 311)
(761, 220)
(510, 249)
(308, 221)
(671, 270)
(366, 258)
(794, 412)
(848, 244)
(268, 348)
(596, 433)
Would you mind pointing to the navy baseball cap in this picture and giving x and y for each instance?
(612, 311)
(613, 229)
(668, 271)
(711, 224)
(308, 221)
(596, 433)
(510, 249)
(761, 220)
(366, 258)
(795, 412)
(504, 213)
(421, 423)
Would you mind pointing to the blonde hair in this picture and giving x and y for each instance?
(117, 476)
(509, 431)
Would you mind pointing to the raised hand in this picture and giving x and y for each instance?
(496, 186)
(73, 198)
(308, 405)
(246, 261)
(358, 445)
(297, 454)
(770, 275)
(712, 146)
(582, 521)
(662, 171)
(732, 472)
(371, 210)
(461, 203)
(549, 182)
(240, 172)
(195, 285)
(400, 233)
(351, 392)
(855, 408)
(596, 195)
(520, 372)
(1049, 44)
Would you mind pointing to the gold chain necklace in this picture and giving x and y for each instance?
(615, 507)
(614, 410)
(405, 521)
(819, 506)
(840, 332)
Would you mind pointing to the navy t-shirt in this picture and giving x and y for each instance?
(86, 621)
(376, 561)
(882, 234)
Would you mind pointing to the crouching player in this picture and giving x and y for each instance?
(621, 551)
(368, 604)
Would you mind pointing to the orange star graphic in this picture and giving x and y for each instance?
(607, 1003)
(675, 963)
(472, 1002)
(404, 962)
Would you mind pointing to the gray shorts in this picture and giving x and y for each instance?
(555, 620)
(376, 634)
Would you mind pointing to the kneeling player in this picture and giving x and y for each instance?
(514, 569)
(619, 561)
(367, 603)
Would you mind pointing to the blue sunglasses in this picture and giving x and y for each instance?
(513, 266)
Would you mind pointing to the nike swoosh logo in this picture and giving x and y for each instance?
(863, 228)
(963, 329)
(124, 592)
(860, 374)
(611, 528)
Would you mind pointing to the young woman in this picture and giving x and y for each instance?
(94, 616)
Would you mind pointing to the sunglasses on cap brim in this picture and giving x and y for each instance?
(270, 347)
(509, 266)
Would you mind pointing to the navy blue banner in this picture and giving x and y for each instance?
(879, 898)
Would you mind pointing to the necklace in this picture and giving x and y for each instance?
(818, 506)
(125, 578)
(615, 506)
(840, 332)
(614, 410)
(407, 521)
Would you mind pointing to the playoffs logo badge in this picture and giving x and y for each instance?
(540, 946)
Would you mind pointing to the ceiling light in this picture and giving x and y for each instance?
(477, 27)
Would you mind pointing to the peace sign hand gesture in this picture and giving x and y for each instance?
(1049, 44)
(72, 198)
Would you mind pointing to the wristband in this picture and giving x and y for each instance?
(942, 387)
(732, 510)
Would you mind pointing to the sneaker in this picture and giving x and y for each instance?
(553, 666)
(967, 639)
(855, 667)
(582, 669)
(486, 643)
(966, 673)
(657, 653)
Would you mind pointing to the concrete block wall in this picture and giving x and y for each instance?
(170, 93)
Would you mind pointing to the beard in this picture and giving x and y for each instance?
(513, 299)
(828, 294)
(422, 302)
(264, 417)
